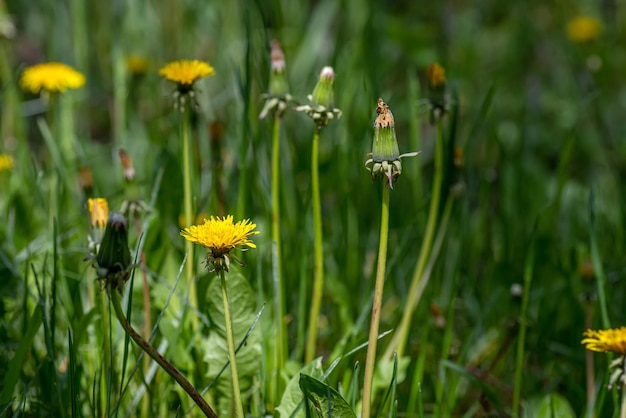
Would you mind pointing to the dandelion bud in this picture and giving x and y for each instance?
(385, 145)
(278, 81)
(127, 163)
(436, 77)
(113, 259)
(385, 153)
(323, 94)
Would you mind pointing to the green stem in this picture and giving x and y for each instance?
(318, 281)
(399, 340)
(231, 348)
(622, 411)
(378, 298)
(519, 358)
(277, 271)
(152, 352)
(191, 283)
(106, 355)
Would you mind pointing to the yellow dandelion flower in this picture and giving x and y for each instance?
(221, 235)
(606, 340)
(186, 72)
(53, 77)
(136, 64)
(99, 211)
(6, 162)
(436, 75)
(583, 29)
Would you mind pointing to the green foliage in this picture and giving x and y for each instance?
(534, 154)
(322, 400)
(243, 312)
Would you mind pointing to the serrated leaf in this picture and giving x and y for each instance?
(324, 401)
(293, 396)
(554, 405)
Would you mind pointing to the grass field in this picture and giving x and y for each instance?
(462, 291)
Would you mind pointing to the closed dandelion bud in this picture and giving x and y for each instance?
(385, 144)
(323, 94)
(386, 157)
(113, 259)
(436, 77)
(321, 102)
(278, 81)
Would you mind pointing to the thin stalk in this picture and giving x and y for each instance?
(589, 367)
(147, 317)
(399, 340)
(277, 271)
(106, 355)
(231, 348)
(519, 358)
(318, 266)
(152, 352)
(378, 298)
(191, 283)
(622, 412)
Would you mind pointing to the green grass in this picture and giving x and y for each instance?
(538, 194)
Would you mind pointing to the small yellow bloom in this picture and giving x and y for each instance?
(6, 162)
(53, 77)
(136, 64)
(436, 75)
(99, 211)
(606, 340)
(583, 29)
(221, 235)
(186, 72)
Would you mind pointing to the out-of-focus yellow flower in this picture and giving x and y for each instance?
(54, 77)
(583, 29)
(6, 162)
(99, 211)
(606, 340)
(186, 72)
(136, 64)
(436, 75)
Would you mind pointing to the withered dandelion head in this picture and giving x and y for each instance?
(99, 211)
(53, 77)
(385, 156)
(220, 236)
(186, 72)
(613, 340)
(583, 29)
(6, 162)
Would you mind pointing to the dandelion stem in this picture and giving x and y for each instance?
(622, 412)
(318, 281)
(231, 348)
(519, 358)
(191, 283)
(398, 343)
(378, 297)
(277, 271)
(152, 352)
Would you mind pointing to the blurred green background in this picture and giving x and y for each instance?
(535, 116)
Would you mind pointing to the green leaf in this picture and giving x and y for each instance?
(242, 302)
(15, 366)
(553, 405)
(292, 396)
(324, 401)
